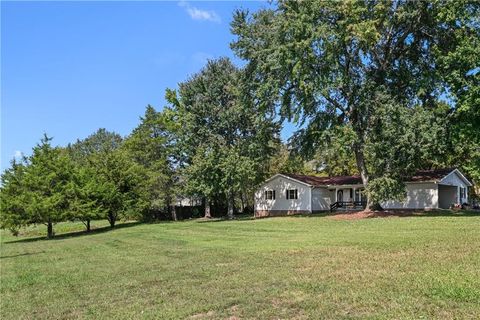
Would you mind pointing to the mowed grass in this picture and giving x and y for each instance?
(278, 268)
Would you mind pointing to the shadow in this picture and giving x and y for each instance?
(20, 255)
(403, 213)
(239, 217)
(78, 233)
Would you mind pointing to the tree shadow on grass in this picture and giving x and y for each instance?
(78, 233)
(388, 213)
(21, 255)
(238, 217)
(402, 213)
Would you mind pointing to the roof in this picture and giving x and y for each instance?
(323, 181)
(419, 176)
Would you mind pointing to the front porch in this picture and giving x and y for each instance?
(348, 198)
(348, 206)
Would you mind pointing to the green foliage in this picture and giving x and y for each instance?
(100, 141)
(223, 140)
(13, 214)
(121, 185)
(151, 146)
(335, 64)
(36, 191)
(85, 194)
(286, 161)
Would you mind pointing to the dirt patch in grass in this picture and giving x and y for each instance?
(375, 214)
(206, 315)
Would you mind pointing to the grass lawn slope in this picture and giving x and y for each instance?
(288, 268)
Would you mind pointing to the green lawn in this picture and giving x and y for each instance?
(279, 268)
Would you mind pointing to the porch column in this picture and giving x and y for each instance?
(353, 194)
(336, 194)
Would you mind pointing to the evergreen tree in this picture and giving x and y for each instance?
(150, 145)
(45, 184)
(13, 214)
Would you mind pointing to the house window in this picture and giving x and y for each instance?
(292, 194)
(270, 195)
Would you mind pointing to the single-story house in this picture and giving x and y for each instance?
(285, 194)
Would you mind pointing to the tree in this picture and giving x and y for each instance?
(13, 214)
(85, 194)
(150, 145)
(108, 182)
(223, 139)
(87, 190)
(121, 185)
(100, 141)
(287, 160)
(330, 64)
(45, 183)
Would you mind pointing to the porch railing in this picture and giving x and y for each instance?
(348, 205)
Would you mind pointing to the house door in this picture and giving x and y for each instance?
(340, 195)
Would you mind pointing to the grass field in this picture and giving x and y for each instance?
(279, 268)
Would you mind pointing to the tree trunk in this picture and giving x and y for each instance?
(208, 214)
(112, 219)
(88, 225)
(243, 202)
(174, 213)
(50, 233)
(362, 168)
(231, 200)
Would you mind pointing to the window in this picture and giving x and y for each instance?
(292, 194)
(270, 195)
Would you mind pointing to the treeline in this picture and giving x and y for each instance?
(210, 144)
(379, 89)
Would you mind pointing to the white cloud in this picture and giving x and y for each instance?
(199, 14)
(18, 154)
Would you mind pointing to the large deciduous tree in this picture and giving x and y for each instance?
(376, 67)
(224, 141)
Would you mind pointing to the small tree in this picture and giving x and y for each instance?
(84, 195)
(13, 214)
(45, 185)
(121, 186)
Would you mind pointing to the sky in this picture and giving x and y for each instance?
(69, 68)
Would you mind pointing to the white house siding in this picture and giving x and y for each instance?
(419, 196)
(321, 199)
(282, 206)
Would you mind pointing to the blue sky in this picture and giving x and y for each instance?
(69, 68)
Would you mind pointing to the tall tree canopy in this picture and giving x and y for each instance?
(378, 68)
(151, 146)
(223, 140)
